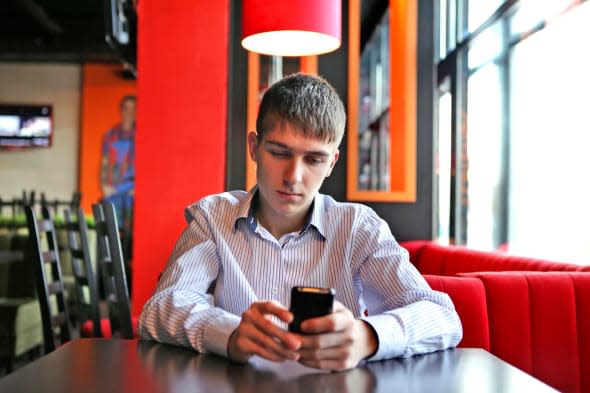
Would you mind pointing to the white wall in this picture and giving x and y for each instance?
(52, 170)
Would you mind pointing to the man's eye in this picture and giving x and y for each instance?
(315, 160)
(280, 154)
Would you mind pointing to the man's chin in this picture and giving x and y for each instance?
(288, 209)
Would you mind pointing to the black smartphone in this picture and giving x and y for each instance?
(309, 302)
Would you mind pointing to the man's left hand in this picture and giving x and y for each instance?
(336, 341)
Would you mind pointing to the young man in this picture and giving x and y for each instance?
(226, 288)
(117, 170)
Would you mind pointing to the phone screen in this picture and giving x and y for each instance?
(309, 302)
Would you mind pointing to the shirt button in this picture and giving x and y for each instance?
(275, 290)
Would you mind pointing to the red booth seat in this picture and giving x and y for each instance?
(432, 258)
(537, 321)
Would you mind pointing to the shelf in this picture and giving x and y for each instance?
(382, 107)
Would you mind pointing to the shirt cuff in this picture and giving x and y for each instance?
(391, 341)
(216, 335)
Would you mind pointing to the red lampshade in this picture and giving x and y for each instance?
(291, 27)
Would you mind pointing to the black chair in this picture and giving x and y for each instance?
(48, 277)
(85, 284)
(111, 267)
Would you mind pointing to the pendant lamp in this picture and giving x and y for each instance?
(291, 27)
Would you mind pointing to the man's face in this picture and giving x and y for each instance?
(128, 112)
(290, 168)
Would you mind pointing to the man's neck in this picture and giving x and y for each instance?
(279, 225)
(127, 126)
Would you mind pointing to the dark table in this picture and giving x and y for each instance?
(95, 365)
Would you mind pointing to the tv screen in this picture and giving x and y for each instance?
(26, 125)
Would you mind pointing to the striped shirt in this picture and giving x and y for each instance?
(224, 261)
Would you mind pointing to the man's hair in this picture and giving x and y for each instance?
(125, 99)
(306, 102)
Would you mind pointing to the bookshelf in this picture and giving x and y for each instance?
(382, 107)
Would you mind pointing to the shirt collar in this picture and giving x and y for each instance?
(315, 215)
(313, 219)
(246, 211)
(124, 134)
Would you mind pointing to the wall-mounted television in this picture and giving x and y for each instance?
(26, 125)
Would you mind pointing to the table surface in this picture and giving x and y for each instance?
(100, 365)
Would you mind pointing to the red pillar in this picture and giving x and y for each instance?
(181, 124)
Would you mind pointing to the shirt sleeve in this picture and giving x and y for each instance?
(407, 316)
(181, 311)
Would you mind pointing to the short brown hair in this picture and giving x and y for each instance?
(126, 98)
(304, 101)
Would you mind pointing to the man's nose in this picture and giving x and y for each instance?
(293, 171)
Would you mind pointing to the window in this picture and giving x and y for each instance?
(549, 189)
(442, 162)
(520, 130)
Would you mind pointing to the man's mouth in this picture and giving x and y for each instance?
(289, 195)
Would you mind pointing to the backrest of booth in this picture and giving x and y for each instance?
(443, 260)
(536, 321)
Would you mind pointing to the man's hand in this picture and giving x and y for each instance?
(337, 341)
(258, 335)
(107, 190)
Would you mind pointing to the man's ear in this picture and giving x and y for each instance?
(333, 163)
(252, 144)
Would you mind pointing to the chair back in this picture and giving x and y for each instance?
(44, 255)
(85, 282)
(112, 270)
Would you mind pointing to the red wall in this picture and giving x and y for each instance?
(181, 124)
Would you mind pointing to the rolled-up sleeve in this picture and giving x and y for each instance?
(181, 311)
(407, 316)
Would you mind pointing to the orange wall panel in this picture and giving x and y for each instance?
(102, 90)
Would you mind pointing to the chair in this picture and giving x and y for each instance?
(48, 277)
(111, 267)
(85, 283)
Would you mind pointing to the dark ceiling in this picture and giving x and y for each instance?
(53, 30)
(74, 30)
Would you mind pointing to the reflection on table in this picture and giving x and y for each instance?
(94, 365)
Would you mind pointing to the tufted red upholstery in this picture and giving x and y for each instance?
(469, 296)
(540, 322)
(432, 258)
(537, 312)
(537, 321)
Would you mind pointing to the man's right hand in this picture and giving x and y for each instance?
(107, 190)
(258, 335)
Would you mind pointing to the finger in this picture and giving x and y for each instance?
(340, 320)
(253, 346)
(271, 330)
(332, 353)
(255, 341)
(325, 340)
(335, 358)
(269, 343)
(338, 306)
(329, 364)
(274, 308)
